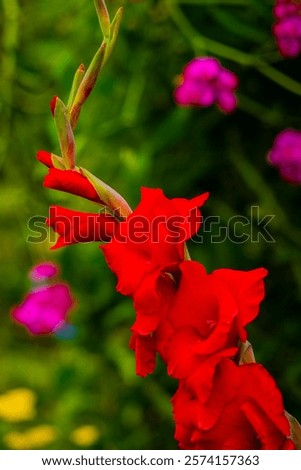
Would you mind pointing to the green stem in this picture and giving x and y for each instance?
(279, 78)
(268, 115)
(258, 185)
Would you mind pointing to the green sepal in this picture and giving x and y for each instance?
(87, 84)
(114, 31)
(295, 428)
(65, 134)
(78, 77)
(187, 256)
(109, 197)
(246, 353)
(103, 18)
(57, 162)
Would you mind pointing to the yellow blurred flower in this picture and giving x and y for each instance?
(15, 440)
(34, 438)
(17, 405)
(85, 436)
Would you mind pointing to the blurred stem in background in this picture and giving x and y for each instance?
(10, 37)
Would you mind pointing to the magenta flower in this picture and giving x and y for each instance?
(45, 309)
(286, 155)
(284, 8)
(287, 30)
(206, 82)
(43, 271)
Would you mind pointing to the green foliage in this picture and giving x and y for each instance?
(131, 134)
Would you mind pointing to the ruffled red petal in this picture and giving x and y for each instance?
(247, 287)
(75, 227)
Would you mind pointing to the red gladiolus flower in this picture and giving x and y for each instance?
(75, 227)
(149, 244)
(205, 313)
(240, 408)
(152, 237)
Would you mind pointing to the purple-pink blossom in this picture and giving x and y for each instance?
(43, 271)
(287, 29)
(284, 8)
(44, 309)
(206, 82)
(286, 155)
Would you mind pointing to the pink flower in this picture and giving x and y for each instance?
(287, 30)
(287, 33)
(206, 82)
(44, 309)
(286, 155)
(43, 271)
(284, 8)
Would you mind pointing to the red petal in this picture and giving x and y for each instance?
(45, 158)
(151, 301)
(52, 105)
(186, 351)
(266, 394)
(157, 247)
(188, 210)
(145, 350)
(247, 287)
(72, 182)
(207, 305)
(74, 226)
(128, 262)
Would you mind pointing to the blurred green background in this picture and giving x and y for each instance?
(131, 134)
